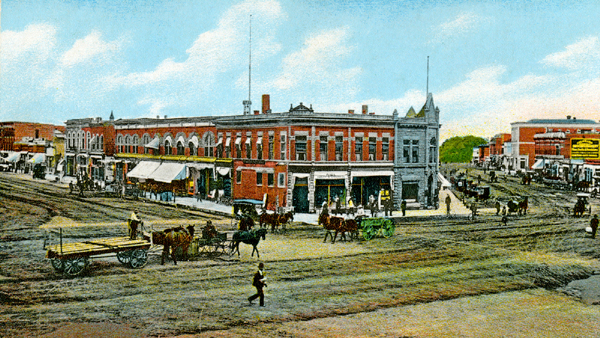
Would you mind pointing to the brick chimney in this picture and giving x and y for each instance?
(365, 109)
(256, 112)
(350, 111)
(266, 104)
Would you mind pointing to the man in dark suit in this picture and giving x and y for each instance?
(259, 281)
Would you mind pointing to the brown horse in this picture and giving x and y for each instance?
(266, 218)
(171, 239)
(331, 224)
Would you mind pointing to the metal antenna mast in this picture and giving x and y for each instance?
(427, 89)
(250, 61)
(248, 103)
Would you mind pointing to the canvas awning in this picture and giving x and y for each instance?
(539, 164)
(168, 172)
(181, 139)
(259, 140)
(153, 144)
(223, 171)
(238, 141)
(248, 140)
(372, 173)
(143, 170)
(194, 141)
(228, 141)
(220, 142)
(14, 157)
(37, 158)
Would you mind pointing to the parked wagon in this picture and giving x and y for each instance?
(73, 258)
(376, 226)
(211, 246)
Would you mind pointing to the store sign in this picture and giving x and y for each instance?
(585, 148)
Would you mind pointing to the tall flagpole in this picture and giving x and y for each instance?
(427, 89)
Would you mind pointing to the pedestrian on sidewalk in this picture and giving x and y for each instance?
(448, 201)
(259, 282)
(403, 207)
(497, 205)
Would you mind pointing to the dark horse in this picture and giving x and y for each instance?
(248, 237)
(171, 239)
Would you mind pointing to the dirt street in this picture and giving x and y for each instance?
(435, 277)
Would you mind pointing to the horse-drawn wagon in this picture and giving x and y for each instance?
(73, 258)
(371, 227)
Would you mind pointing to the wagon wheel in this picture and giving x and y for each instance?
(124, 256)
(388, 228)
(75, 266)
(58, 264)
(139, 258)
(368, 232)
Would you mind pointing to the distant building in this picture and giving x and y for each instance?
(26, 136)
(523, 142)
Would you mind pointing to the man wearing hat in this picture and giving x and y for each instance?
(259, 281)
(134, 221)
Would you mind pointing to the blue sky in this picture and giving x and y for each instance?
(491, 62)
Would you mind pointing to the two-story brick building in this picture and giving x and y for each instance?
(299, 158)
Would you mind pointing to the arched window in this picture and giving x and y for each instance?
(127, 144)
(180, 148)
(209, 144)
(193, 150)
(168, 148)
(135, 144)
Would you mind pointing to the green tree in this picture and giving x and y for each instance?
(459, 149)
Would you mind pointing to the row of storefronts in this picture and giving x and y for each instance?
(298, 159)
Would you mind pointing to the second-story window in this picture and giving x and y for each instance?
(385, 148)
(358, 148)
(323, 145)
(270, 179)
(271, 147)
(406, 150)
(282, 147)
(259, 148)
(180, 148)
(228, 147)
(259, 178)
(415, 151)
(193, 149)
(339, 148)
(432, 150)
(300, 148)
(249, 147)
(238, 147)
(168, 148)
(372, 148)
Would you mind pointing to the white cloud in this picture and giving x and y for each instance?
(583, 53)
(462, 24)
(212, 54)
(90, 47)
(317, 72)
(35, 43)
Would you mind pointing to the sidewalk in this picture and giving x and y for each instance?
(456, 209)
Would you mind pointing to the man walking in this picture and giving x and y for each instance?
(403, 207)
(448, 201)
(594, 225)
(259, 281)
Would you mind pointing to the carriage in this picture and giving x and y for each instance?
(73, 258)
(371, 227)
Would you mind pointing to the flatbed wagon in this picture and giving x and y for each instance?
(73, 258)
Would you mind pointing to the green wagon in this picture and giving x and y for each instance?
(376, 226)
